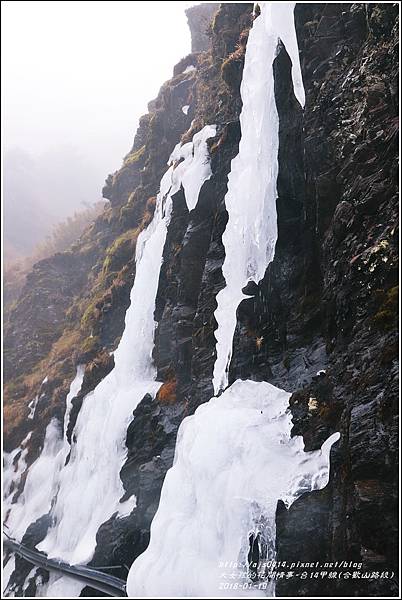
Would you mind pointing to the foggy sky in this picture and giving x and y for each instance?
(77, 75)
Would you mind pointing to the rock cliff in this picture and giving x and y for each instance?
(322, 323)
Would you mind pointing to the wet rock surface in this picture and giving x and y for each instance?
(350, 215)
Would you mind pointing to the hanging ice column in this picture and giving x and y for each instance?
(89, 485)
(251, 231)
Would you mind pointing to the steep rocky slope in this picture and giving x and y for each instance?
(328, 301)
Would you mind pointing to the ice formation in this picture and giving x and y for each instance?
(42, 477)
(32, 407)
(98, 452)
(8, 569)
(59, 586)
(56, 586)
(35, 499)
(98, 449)
(251, 231)
(189, 69)
(234, 459)
(14, 465)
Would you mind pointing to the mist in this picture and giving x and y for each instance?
(77, 76)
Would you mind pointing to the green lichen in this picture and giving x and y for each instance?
(89, 316)
(120, 252)
(387, 313)
(90, 345)
(134, 157)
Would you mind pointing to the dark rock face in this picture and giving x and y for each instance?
(328, 301)
(323, 321)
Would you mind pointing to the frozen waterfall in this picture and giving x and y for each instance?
(251, 231)
(98, 450)
(93, 471)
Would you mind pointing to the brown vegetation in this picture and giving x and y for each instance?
(167, 392)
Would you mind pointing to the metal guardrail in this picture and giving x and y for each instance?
(100, 581)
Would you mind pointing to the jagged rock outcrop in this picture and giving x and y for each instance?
(321, 324)
(199, 21)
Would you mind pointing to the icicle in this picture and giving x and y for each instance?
(251, 231)
(86, 491)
